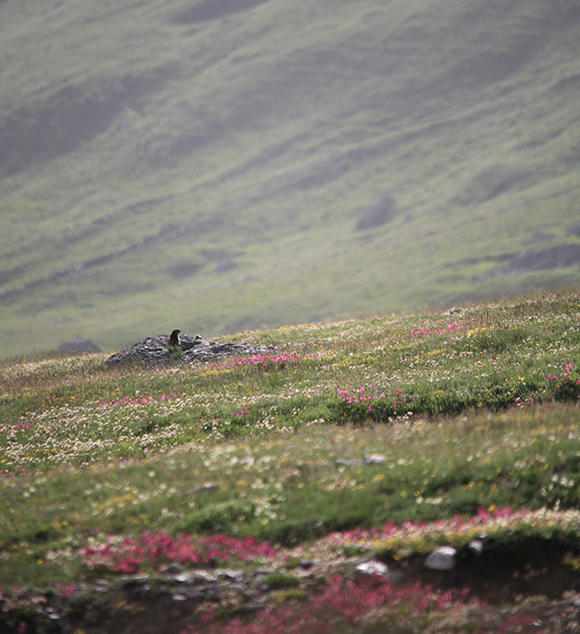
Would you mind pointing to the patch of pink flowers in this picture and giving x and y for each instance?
(363, 395)
(456, 530)
(421, 331)
(521, 403)
(265, 360)
(359, 395)
(67, 590)
(153, 549)
(565, 386)
(18, 426)
(345, 601)
(566, 376)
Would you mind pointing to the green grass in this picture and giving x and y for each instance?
(380, 437)
(466, 413)
(209, 176)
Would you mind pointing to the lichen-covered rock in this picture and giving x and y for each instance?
(156, 350)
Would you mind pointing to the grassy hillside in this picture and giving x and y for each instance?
(129, 489)
(206, 164)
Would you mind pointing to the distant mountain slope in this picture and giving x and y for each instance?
(206, 165)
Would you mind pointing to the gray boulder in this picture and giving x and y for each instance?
(441, 559)
(156, 350)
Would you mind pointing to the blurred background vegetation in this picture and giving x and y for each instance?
(220, 165)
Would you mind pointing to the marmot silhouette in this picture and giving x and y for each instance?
(174, 339)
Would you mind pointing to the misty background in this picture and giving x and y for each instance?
(223, 165)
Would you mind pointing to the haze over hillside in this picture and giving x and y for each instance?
(217, 165)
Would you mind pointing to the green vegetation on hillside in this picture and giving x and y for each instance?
(204, 165)
(374, 438)
(263, 429)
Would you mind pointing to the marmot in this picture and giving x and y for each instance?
(174, 339)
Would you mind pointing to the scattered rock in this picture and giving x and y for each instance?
(441, 559)
(194, 577)
(79, 344)
(377, 214)
(157, 350)
(170, 599)
(348, 462)
(185, 269)
(372, 568)
(476, 545)
(374, 458)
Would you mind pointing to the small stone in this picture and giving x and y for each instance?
(476, 545)
(374, 458)
(199, 577)
(372, 568)
(441, 559)
(236, 576)
(102, 585)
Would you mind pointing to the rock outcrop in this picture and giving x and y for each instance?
(157, 350)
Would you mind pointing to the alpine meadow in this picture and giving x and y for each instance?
(413, 473)
(324, 259)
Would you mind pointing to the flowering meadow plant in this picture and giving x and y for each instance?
(259, 360)
(152, 549)
(565, 386)
(348, 605)
(345, 602)
(421, 331)
(143, 400)
(61, 412)
(362, 438)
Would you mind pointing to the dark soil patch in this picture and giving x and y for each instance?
(168, 602)
(380, 212)
(558, 256)
(501, 573)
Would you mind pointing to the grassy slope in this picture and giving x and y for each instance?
(142, 150)
(468, 421)
(127, 450)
